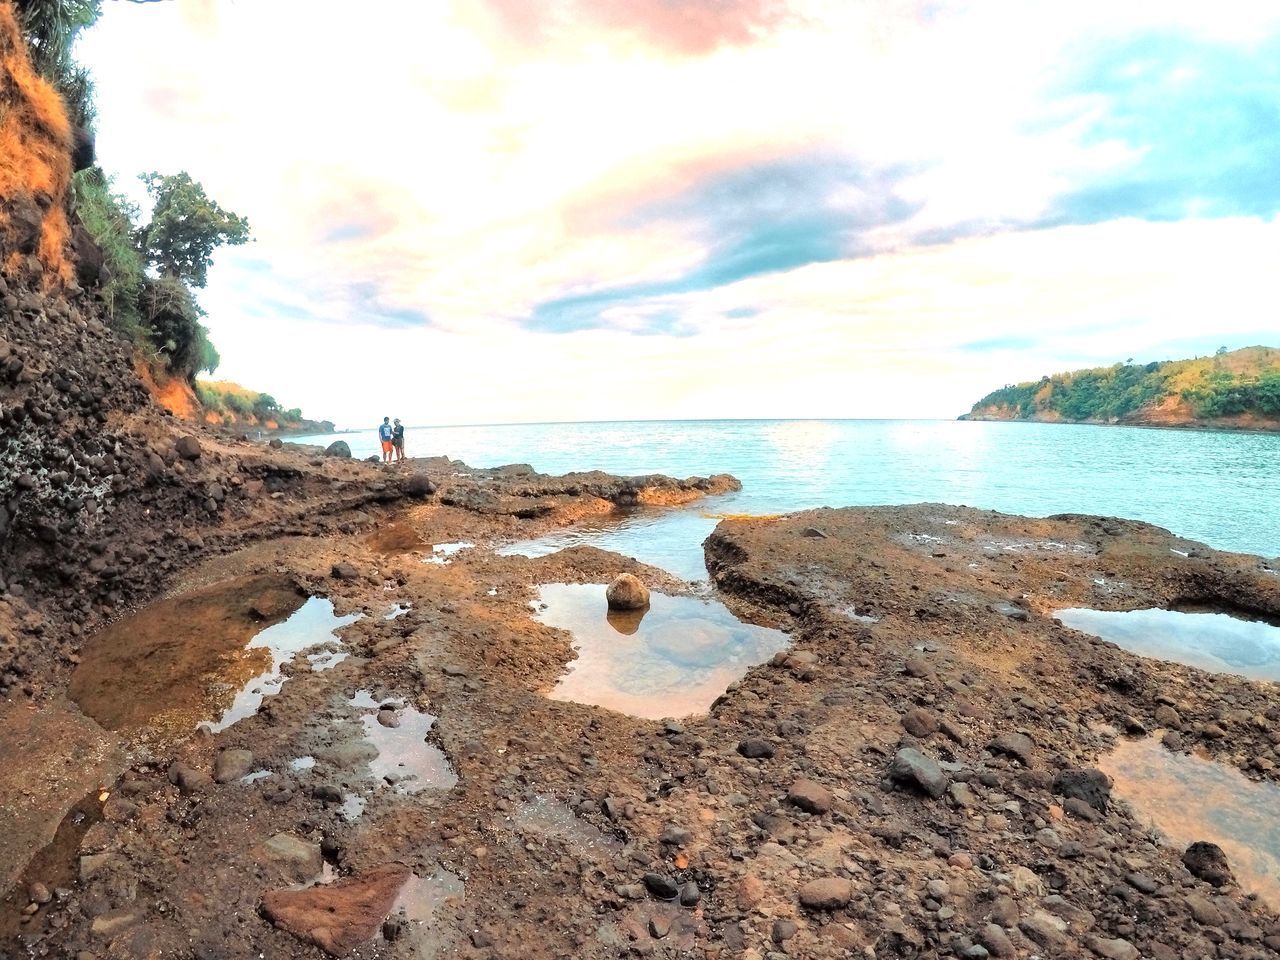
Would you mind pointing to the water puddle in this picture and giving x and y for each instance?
(548, 817)
(852, 613)
(298, 764)
(352, 807)
(397, 610)
(1217, 642)
(671, 660)
(405, 758)
(668, 539)
(147, 669)
(255, 776)
(419, 901)
(313, 624)
(1188, 798)
(442, 553)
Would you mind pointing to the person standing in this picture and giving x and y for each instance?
(385, 435)
(397, 439)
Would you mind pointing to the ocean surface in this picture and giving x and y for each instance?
(1222, 489)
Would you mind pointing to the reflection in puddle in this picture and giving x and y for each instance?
(673, 662)
(405, 758)
(397, 610)
(1211, 641)
(313, 624)
(853, 614)
(1188, 799)
(255, 776)
(548, 817)
(668, 539)
(419, 901)
(442, 553)
(352, 806)
(302, 763)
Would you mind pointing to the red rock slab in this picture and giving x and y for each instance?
(340, 916)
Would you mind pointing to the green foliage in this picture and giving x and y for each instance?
(173, 316)
(210, 398)
(186, 227)
(109, 217)
(1113, 393)
(230, 398)
(51, 27)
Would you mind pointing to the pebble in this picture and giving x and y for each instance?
(755, 748)
(827, 893)
(661, 886)
(810, 796)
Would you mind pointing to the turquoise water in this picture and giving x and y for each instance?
(1218, 488)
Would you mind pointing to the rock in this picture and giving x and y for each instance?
(689, 894)
(659, 926)
(89, 259)
(920, 722)
(1045, 929)
(1087, 784)
(1077, 808)
(1141, 882)
(338, 448)
(344, 571)
(188, 448)
(339, 917)
(1016, 745)
(827, 893)
(627, 592)
(297, 860)
(809, 796)
(915, 769)
(1208, 862)
(784, 930)
(1116, 949)
(275, 443)
(918, 667)
(188, 779)
(661, 886)
(1167, 716)
(419, 486)
(1203, 910)
(997, 941)
(39, 893)
(389, 718)
(232, 765)
(754, 748)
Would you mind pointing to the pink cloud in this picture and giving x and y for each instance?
(684, 27)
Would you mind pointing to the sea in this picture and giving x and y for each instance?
(1219, 488)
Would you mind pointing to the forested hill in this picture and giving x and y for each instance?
(1236, 390)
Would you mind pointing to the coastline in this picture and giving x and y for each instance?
(1192, 426)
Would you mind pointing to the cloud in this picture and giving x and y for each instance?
(872, 207)
(689, 27)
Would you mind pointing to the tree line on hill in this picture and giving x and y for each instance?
(150, 270)
(1225, 385)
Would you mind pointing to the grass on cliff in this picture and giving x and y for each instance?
(230, 399)
(1242, 382)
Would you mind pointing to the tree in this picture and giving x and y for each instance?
(186, 227)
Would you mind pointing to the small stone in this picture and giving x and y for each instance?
(997, 941)
(920, 722)
(1016, 745)
(389, 718)
(689, 894)
(659, 926)
(1087, 784)
(232, 765)
(827, 893)
(784, 930)
(661, 886)
(188, 779)
(39, 893)
(754, 748)
(1116, 949)
(810, 796)
(345, 571)
(675, 836)
(913, 768)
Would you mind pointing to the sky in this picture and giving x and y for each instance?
(476, 211)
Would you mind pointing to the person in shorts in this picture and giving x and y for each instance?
(385, 436)
(397, 439)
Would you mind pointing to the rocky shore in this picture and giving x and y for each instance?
(918, 774)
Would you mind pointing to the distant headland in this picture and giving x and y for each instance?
(1236, 390)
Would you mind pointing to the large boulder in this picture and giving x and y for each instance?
(89, 258)
(1208, 862)
(338, 448)
(627, 592)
